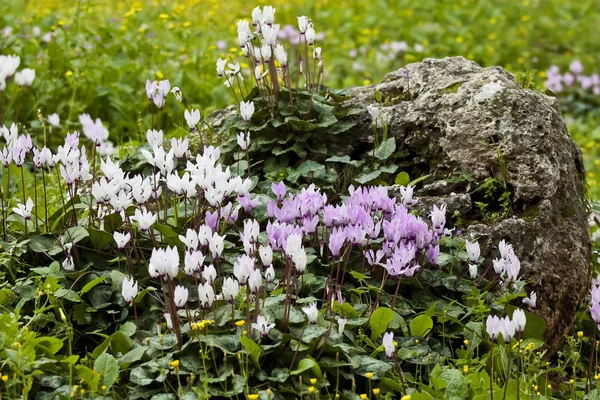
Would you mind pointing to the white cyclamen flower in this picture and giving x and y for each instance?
(262, 325)
(129, 290)
(24, 210)
(473, 251)
(388, 345)
(181, 296)
(54, 120)
(121, 239)
(192, 118)
(246, 110)
(311, 312)
(25, 77)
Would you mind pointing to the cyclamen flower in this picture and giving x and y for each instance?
(341, 325)
(310, 35)
(246, 110)
(311, 312)
(177, 93)
(230, 290)
(144, 218)
(438, 218)
(531, 300)
(129, 290)
(254, 281)
(493, 327)
(180, 296)
(388, 345)
(24, 210)
(303, 22)
(266, 255)
(54, 120)
(268, 15)
(270, 274)
(473, 251)
(519, 320)
(281, 55)
(279, 190)
(121, 239)
(206, 295)
(209, 274)
(25, 77)
(192, 118)
(221, 67)
(262, 325)
(507, 328)
(243, 140)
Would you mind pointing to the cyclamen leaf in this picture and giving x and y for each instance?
(421, 325)
(108, 368)
(380, 320)
(385, 149)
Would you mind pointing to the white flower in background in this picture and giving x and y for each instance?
(262, 325)
(388, 345)
(230, 290)
(259, 74)
(181, 296)
(192, 118)
(151, 89)
(268, 15)
(190, 240)
(9, 65)
(303, 22)
(216, 245)
(531, 301)
(310, 35)
(254, 281)
(221, 67)
(473, 251)
(168, 320)
(246, 110)
(270, 35)
(192, 262)
(68, 264)
(177, 93)
(438, 218)
(209, 274)
(266, 255)
(374, 111)
(311, 312)
(154, 138)
(270, 274)
(341, 325)
(257, 17)
(25, 77)
(54, 120)
(473, 270)
(144, 218)
(244, 32)
(24, 210)
(519, 320)
(317, 53)
(129, 290)
(121, 239)
(206, 295)
(281, 55)
(407, 195)
(243, 140)
(243, 267)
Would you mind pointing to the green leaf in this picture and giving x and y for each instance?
(99, 238)
(252, 348)
(306, 364)
(91, 284)
(344, 160)
(385, 149)
(76, 234)
(421, 325)
(132, 356)
(367, 177)
(108, 368)
(402, 179)
(419, 179)
(380, 321)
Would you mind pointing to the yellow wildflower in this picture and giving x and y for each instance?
(313, 381)
(311, 389)
(376, 391)
(175, 364)
(240, 323)
(363, 396)
(369, 375)
(254, 396)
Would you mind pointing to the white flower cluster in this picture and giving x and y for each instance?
(8, 69)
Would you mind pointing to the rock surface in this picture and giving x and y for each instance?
(466, 125)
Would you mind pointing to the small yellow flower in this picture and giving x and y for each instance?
(240, 323)
(363, 396)
(63, 317)
(466, 369)
(69, 73)
(535, 388)
(580, 334)
(417, 341)
(186, 24)
(311, 389)
(407, 397)
(103, 388)
(369, 375)
(466, 342)
(16, 345)
(163, 16)
(313, 381)
(175, 364)
(550, 386)
(254, 396)
(572, 381)
(244, 332)
(395, 344)
(376, 391)
(82, 391)
(4, 378)
(159, 75)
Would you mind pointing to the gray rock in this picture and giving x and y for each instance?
(466, 125)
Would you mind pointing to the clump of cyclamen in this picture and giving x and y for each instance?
(574, 77)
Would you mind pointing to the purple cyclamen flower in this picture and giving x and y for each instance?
(279, 190)
(432, 254)
(336, 241)
(247, 203)
(211, 219)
